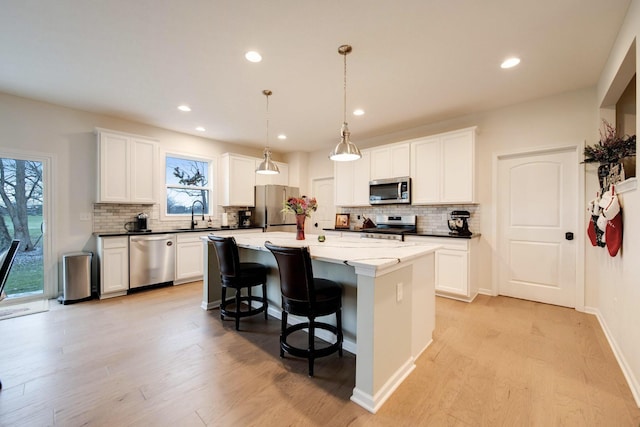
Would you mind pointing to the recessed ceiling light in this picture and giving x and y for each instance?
(358, 112)
(253, 56)
(282, 136)
(200, 129)
(185, 108)
(510, 62)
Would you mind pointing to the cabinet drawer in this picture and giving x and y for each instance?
(115, 242)
(450, 243)
(190, 237)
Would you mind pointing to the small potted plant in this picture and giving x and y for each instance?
(616, 155)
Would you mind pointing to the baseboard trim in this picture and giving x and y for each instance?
(633, 383)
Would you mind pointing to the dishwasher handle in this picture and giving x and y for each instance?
(169, 237)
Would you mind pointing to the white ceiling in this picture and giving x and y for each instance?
(413, 61)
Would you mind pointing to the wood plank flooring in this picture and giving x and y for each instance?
(156, 359)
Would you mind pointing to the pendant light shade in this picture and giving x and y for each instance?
(346, 150)
(267, 167)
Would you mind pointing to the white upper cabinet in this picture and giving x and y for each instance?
(443, 168)
(127, 168)
(390, 161)
(281, 178)
(352, 181)
(237, 180)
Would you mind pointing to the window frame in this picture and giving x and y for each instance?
(211, 185)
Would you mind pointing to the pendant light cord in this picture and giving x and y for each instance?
(345, 89)
(267, 93)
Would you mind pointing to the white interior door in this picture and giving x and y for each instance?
(325, 216)
(536, 206)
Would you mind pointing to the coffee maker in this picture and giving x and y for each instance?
(140, 223)
(244, 218)
(459, 223)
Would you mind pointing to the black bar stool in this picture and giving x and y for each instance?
(304, 295)
(238, 275)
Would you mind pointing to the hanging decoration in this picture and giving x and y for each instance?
(605, 227)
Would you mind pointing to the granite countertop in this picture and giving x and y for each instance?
(179, 230)
(452, 236)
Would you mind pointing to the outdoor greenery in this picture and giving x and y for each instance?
(27, 274)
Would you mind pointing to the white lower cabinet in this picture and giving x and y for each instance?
(456, 267)
(113, 255)
(189, 259)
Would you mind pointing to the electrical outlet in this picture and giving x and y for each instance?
(399, 292)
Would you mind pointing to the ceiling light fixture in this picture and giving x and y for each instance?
(267, 167)
(282, 136)
(358, 112)
(253, 56)
(184, 108)
(346, 150)
(510, 62)
(200, 129)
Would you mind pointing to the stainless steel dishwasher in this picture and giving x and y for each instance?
(152, 259)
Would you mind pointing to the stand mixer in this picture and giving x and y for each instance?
(459, 223)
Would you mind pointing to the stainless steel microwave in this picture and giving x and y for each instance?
(390, 191)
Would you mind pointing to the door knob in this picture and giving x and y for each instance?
(568, 235)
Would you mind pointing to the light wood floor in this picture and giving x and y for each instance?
(156, 359)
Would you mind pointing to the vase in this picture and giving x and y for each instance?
(300, 226)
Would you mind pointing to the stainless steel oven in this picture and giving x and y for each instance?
(391, 227)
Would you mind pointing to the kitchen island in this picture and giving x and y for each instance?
(388, 300)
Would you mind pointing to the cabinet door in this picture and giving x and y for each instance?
(143, 170)
(361, 171)
(381, 164)
(425, 171)
(238, 180)
(390, 161)
(114, 168)
(458, 167)
(343, 173)
(400, 163)
(114, 265)
(452, 272)
(189, 260)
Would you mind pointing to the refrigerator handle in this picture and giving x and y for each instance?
(283, 213)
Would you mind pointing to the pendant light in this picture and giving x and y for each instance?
(267, 167)
(346, 150)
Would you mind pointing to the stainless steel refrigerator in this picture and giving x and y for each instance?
(270, 201)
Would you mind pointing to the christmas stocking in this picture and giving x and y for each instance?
(592, 229)
(613, 213)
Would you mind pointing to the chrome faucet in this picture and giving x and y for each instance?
(193, 223)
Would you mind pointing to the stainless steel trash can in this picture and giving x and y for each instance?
(76, 277)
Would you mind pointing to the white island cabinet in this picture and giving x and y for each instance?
(456, 266)
(113, 255)
(388, 300)
(127, 166)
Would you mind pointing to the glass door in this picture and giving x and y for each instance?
(22, 217)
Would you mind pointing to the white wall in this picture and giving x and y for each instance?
(614, 283)
(68, 135)
(561, 120)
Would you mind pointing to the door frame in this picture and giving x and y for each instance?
(49, 262)
(579, 233)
